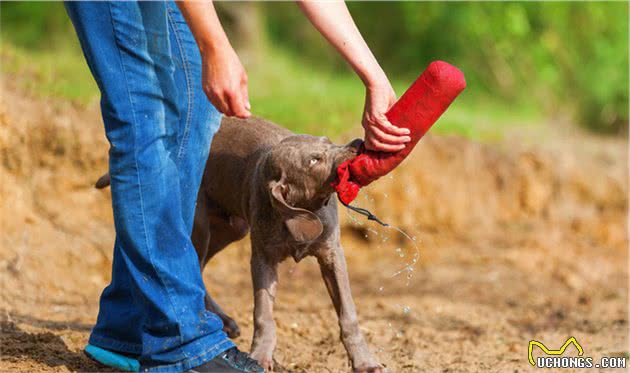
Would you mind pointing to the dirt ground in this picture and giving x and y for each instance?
(519, 240)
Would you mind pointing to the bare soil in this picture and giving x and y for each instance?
(519, 240)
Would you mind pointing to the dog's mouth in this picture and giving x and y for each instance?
(344, 154)
(348, 152)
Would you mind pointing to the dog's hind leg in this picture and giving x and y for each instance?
(223, 231)
(212, 232)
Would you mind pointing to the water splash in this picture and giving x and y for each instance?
(410, 267)
(353, 218)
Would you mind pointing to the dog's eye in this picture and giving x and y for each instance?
(313, 161)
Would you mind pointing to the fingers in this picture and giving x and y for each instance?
(380, 120)
(231, 103)
(219, 102)
(373, 144)
(225, 83)
(242, 107)
(237, 106)
(386, 126)
(381, 135)
(245, 92)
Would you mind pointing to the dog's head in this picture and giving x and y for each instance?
(300, 171)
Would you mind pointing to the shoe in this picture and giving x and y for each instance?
(112, 359)
(230, 361)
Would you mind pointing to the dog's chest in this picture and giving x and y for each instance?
(283, 248)
(279, 245)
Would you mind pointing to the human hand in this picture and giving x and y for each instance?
(380, 134)
(224, 81)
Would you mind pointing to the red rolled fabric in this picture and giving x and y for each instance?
(418, 108)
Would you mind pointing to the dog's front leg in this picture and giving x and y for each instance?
(332, 264)
(265, 280)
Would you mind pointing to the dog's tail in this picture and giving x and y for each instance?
(102, 182)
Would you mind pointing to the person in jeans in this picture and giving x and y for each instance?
(167, 72)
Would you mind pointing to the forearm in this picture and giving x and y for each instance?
(204, 24)
(223, 77)
(334, 22)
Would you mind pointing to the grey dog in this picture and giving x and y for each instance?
(264, 179)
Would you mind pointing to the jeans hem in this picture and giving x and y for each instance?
(192, 362)
(114, 345)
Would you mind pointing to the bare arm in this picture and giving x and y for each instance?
(223, 77)
(334, 22)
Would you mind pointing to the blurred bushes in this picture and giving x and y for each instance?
(570, 56)
(561, 57)
(35, 25)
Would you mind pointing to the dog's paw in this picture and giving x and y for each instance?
(264, 360)
(266, 364)
(230, 327)
(370, 368)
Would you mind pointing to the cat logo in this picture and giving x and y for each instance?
(547, 351)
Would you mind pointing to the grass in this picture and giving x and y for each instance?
(62, 73)
(327, 103)
(303, 98)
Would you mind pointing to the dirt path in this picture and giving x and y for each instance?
(516, 243)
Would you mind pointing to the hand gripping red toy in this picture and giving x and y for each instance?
(417, 109)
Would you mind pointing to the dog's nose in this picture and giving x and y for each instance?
(348, 151)
(355, 145)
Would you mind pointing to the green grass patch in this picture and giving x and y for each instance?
(301, 97)
(327, 103)
(62, 73)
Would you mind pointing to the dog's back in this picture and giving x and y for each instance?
(233, 154)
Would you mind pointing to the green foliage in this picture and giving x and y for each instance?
(568, 56)
(35, 25)
(329, 103)
(38, 42)
(522, 60)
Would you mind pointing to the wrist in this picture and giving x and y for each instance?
(213, 45)
(375, 79)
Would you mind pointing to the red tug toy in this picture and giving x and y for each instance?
(418, 108)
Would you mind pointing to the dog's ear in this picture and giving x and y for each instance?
(303, 225)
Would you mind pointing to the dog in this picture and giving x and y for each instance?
(265, 180)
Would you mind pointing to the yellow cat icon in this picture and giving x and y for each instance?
(560, 351)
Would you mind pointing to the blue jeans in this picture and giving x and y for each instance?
(159, 124)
